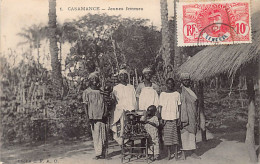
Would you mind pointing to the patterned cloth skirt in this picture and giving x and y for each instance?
(170, 132)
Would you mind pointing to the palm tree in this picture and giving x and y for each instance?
(55, 63)
(33, 36)
(177, 55)
(166, 46)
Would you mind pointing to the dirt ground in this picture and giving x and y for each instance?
(221, 148)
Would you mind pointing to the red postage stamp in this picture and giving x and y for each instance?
(213, 23)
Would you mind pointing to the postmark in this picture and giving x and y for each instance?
(213, 23)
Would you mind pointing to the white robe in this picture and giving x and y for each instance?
(126, 100)
(148, 97)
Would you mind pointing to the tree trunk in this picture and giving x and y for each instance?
(250, 136)
(259, 123)
(178, 58)
(166, 48)
(38, 52)
(202, 112)
(55, 64)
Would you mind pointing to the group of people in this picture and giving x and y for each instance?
(170, 117)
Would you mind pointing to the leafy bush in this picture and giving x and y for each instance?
(24, 119)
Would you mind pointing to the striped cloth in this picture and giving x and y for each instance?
(170, 133)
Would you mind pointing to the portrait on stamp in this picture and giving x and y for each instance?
(211, 23)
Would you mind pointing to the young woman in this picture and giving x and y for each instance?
(189, 118)
(95, 109)
(147, 92)
(169, 107)
(124, 96)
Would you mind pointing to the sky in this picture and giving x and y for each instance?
(17, 14)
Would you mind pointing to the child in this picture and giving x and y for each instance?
(95, 109)
(169, 107)
(151, 127)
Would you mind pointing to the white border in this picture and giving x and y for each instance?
(180, 35)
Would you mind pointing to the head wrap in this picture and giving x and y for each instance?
(93, 75)
(123, 66)
(147, 69)
(185, 76)
(123, 71)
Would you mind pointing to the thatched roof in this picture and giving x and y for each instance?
(214, 60)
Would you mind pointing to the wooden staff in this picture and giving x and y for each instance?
(129, 80)
(136, 77)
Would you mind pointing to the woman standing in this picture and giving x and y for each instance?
(124, 96)
(169, 107)
(147, 92)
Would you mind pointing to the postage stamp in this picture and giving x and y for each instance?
(213, 23)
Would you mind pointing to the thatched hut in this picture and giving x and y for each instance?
(229, 59)
(242, 59)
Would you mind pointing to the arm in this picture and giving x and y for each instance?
(152, 123)
(184, 114)
(179, 110)
(159, 112)
(137, 103)
(178, 118)
(113, 97)
(198, 113)
(85, 102)
(86, 109)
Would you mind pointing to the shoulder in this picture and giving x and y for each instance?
(86, 91)
(177, 93)
(154, 119)
(130, 86)
(140, 85)
(156, 87)
(162, 93)
(117, 86)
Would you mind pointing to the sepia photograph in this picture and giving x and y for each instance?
(129, 81)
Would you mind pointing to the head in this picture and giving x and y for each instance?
(151, 110)
(123, 76)
(215, 17)
(185, 79)
(169, 68)
(94, 82)
(108, 88)
(147, 74)
(170, 84)
(186, 82)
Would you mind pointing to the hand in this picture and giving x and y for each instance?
(183, 124)
(106, 114)
(161, 122)
(178, 122)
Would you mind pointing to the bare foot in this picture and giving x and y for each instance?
(156, 157)
(195, 156)
(182, 157)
